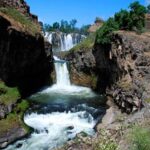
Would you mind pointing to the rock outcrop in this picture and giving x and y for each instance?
(120, 69)
(123, 68)
(23, 62)
(21, 6)
(82, 68)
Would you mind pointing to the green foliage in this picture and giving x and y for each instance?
(22, 107)
(56, 25)
(140, 138)
(132, 20)
(137, 15)
(104, 33)
(147, 100)
(105, 143)
(25, 21)
(66, 27)
(11, 95)
(123, 19)
(98, 19)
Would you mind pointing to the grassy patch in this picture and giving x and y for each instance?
(125, 85)
(9, 95)
(106, 144)
(85, 44)
(139, 138)
(26, 23)
(147, 100)
(15, 119)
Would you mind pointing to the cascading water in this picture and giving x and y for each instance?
(60, 112)
(62, 74)
(63, 41)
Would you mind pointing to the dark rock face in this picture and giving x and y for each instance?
(123, 69)
(82, 68)
(23, 62)
(14, 134)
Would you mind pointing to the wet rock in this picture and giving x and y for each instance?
(19, 145)
(70, 128)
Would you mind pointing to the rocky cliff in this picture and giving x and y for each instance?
(120, 69)
(123, 68)
(26, 61)
(23, 62)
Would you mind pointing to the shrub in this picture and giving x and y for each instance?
(104, 33)
(132, 20)
(140, 138)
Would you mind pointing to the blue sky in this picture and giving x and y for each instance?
(85, 11)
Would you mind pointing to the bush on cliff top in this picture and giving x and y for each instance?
(132, 20)
(26, 23)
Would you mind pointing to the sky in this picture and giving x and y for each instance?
(84, 11)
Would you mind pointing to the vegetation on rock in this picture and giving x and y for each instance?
(86, 44)
(131, 20)
(8, 95)
(26, 23)
(139, 138)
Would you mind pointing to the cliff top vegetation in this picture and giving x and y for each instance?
(129, 20)
(19, 20)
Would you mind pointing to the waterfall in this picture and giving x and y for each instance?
(68, 42)
(62, 110)
(62, 74)
(63, 41)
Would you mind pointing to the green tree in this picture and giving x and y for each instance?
(123, 19)
(47, 28)
(104, 33)
(56, 26)
(73, 23)
(99, 20)
(137, 15)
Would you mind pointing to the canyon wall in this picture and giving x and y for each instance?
(23, 62)
(120, 69)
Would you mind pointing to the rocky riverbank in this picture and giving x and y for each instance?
(116, 131)
(122, 73)
(120, 69)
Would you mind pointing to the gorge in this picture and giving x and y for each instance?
(67, 91)
(62, 111)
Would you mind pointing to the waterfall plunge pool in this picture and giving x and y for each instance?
(58, 115)
(60, 112)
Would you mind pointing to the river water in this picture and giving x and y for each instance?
(60, 112)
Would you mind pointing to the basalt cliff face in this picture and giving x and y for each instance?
(82, 68)
(123, 69)
(23, 62)
(120, 69)
(26, 62)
